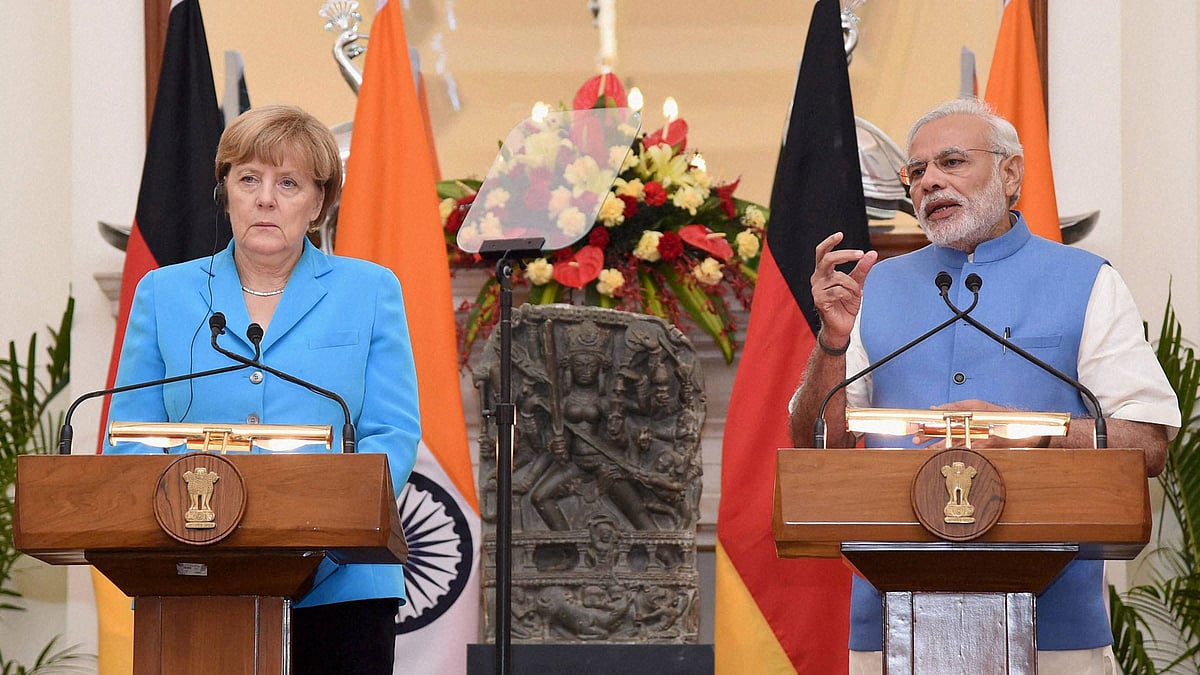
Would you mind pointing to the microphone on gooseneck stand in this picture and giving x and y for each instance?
(254, 333)
(66, 433)
(1101, 425)
(943, 282)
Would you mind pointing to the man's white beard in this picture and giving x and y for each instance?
(974, 223)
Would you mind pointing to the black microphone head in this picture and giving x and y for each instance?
(216, 323)
(254, 333)
(943, 281)
(974, 283)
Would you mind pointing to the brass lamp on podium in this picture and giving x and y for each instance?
(221, 438)
(967, 425)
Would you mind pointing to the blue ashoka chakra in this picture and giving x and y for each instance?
(440, 552)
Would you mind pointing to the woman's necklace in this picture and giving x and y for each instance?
(262, 294)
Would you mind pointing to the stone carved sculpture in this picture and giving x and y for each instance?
(606, 476)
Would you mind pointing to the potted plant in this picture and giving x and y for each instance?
(1156, 625)
(27, 426)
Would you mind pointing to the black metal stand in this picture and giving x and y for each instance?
(505, 251)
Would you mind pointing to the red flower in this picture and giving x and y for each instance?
(654, 194)
(670, 246)
(601, 91)
(725, 194)
(599, 238)
(461, 206)
(563, 255)
(706, 240)
(675, 136)
(583, 268)
(631, 205)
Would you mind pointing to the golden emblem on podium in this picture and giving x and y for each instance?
(958, 485)
(200, 515)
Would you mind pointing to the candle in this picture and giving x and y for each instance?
(671, 111)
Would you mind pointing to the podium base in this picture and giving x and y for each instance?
(597, 659)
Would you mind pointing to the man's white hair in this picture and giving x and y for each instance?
(1002, 136)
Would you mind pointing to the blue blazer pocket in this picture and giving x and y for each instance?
(1037, 341)
(339, 338)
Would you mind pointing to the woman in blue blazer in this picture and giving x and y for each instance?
(336, 322)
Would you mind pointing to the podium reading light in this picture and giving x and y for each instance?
(968, 425)
(221, 438)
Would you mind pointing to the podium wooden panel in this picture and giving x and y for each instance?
(961, 607)
(218, 607)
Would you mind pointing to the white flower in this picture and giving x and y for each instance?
(539, 272)
(612, 211)
(621, 158)
(559, 200)
(647, 248)
(689, 198)
(708, 272)
(496, 198)
(609, 281)
(754, 217)
(469, 237)
(700, 178)
(747, 244)
(629, 188)
(571, 222)
(579, 172)
(490, 226)
(541, 149)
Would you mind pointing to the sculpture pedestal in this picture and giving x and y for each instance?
(597, 659)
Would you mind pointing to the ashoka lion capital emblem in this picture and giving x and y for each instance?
(958, 484)
(200, 515)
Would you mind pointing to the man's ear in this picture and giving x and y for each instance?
(1012, 172)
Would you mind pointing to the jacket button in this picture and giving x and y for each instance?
(251, 419)
(256, 377)
(959, 378)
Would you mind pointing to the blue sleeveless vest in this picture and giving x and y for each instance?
(1037, 292)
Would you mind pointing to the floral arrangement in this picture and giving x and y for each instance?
(666, 241)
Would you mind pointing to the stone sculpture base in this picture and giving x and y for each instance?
(599, 659)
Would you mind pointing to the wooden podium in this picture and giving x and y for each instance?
(208, 598)
(960, 604)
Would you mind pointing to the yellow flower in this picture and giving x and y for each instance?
(629, 188)
(446, 207)
(689, 198)
(754, 217)
(609, 281)
(571, 222)
(612, 211)
(747, 244)
(539, 272)
(708, 272)
(647, 248)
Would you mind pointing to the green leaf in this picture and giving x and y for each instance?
(651, 302)
(545, 294)
(696, 303)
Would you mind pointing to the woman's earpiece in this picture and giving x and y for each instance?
(219, 195)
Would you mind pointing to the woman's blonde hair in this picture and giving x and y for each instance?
(273, 133)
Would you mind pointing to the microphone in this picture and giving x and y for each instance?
(66, 433)
(1101, 424)
(254, 333)
(943, 282)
